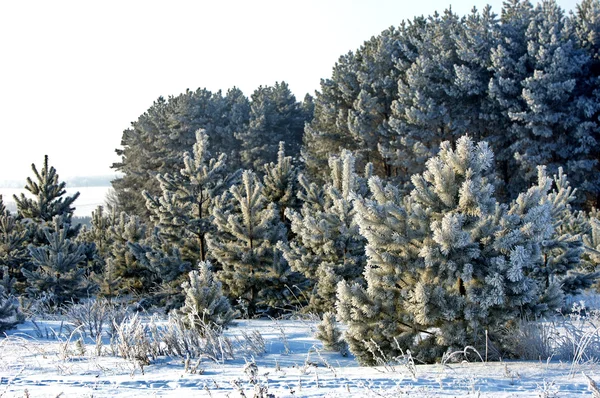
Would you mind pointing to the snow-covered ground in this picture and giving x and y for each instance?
(43, 359)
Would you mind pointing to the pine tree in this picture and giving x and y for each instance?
(155, 143)
(443, 92)
(98, 231)
(244, 246)
(98, 239)
(122, 263)
(353, 106)
(13, 248)
(164, 270)
(205, 305)
(557, 124)
(448, 262)
(281, 182)
(9, 311)
(586, 25)
(327, 247)
(58, 267)
(562, 253)
(330, 335)
(109, 284)
(48, 201)
(591, 241)
(109, 233)
(275, 116)
(182, 212)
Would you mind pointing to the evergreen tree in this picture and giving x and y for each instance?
(448, 262)
(586, 25)
(99, 234)
(443, 93)
(9, 311)
(182, 212)
(58, 267)
(235, 117)
(109, 284)
(205, 305)
(48, 201)
(156, 142)
(353, 106)
(328, 247)
(330, 335)
(13, 248)
(281, 182)
(557, 124)
(164, 270)
(591, 241)
(244, 245)
(562, 253)
(121, 262)
(510, 66)
(275, 116)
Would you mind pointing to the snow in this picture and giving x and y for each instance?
(42, 359)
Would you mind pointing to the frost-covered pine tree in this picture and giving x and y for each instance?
(558, 127)
(98, 232)
(205, 305)
(9, 311)
(275, 116)
(448, 262)
(121, 263)
(591, 240)
(443, 92)
(48, 199)
(13, 247)
(164, 269)
(154, 143)
(562, 252)
(281, 182)
(330, 335)
(109, 284)
(248, 228)
(352, 107)
(58, 267)
(327, 247)
(183, 211)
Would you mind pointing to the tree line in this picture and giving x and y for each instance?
(440, 184)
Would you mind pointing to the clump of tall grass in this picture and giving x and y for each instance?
(95, 316)
(574, 336)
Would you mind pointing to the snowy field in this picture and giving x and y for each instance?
(46, 358)
(89, 198)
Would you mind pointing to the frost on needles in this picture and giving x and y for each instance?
(448, 262)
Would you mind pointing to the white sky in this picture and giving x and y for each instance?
(74, 74)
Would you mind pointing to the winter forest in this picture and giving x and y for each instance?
(441, 185)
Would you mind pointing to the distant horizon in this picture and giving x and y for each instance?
(91, 180)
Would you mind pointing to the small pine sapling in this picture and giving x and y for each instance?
(330, 335)
(205, 305)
